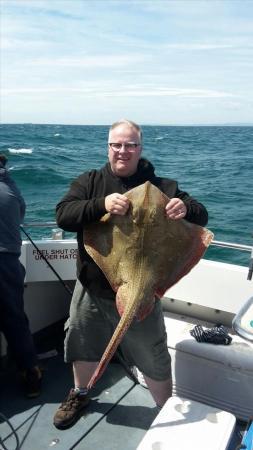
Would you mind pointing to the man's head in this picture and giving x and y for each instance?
(124, 147)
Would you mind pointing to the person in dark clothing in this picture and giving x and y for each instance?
(13, 320)
(93, 314)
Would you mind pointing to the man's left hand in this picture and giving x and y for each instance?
(175, 209)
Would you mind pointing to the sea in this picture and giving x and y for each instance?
(214, 164)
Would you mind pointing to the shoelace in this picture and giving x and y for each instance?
(217, 335)
(71, 400)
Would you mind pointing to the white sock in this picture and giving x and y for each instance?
(81, 390)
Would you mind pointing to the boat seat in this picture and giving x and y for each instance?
(186, 424)
(217, 375)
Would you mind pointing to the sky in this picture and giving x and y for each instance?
(167, 62)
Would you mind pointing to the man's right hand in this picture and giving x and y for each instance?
(116, 204)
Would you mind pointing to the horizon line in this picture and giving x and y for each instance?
(225, 124)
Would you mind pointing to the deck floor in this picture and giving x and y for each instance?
(117, 418)
(115, 415)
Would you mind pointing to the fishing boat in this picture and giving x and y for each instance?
(212, 403)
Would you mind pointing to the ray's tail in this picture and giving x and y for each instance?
(122, 327)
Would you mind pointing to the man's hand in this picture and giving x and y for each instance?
(116, 204)
(175, 209)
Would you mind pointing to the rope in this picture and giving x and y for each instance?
(14, 432)
(217, 335)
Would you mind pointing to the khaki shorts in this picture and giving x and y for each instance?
(92, 322)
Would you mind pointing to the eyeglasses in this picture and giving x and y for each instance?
(129, 146)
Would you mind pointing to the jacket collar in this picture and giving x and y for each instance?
(145, 172)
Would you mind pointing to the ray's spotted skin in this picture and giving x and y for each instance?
(142, 254)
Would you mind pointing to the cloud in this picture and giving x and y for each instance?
(197, 46)
(21, 44)
(98, 91)
(134, 52)
(169, 92)
(109, 60)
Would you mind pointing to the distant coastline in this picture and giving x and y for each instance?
(235, 124)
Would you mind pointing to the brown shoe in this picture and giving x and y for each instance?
(31, 379)
(70, 411)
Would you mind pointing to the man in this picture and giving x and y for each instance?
(13, 320)
(93, 307)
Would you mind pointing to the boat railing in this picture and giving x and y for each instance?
(246, 248)
(39, 224)
(57, 232)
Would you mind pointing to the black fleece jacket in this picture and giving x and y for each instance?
(85, 203)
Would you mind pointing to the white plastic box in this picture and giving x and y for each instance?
(185, 424)
(217, 375)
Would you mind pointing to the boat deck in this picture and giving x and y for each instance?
(117, 418)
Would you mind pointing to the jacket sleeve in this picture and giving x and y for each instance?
(22, 209)
(16, 192)
(77, 207)
(196, 211)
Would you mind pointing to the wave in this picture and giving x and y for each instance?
(20, 150)
(43, 177)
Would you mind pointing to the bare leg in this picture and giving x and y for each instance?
(160, 390)
(83, 370)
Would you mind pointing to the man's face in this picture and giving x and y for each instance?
(124, 160)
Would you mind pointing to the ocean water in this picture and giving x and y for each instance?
(212, 163)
